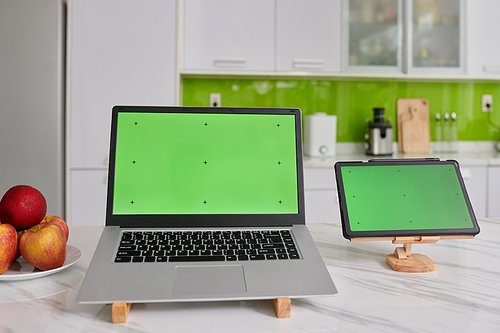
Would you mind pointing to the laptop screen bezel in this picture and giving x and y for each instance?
(204, 220)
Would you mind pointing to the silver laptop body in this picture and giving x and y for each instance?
(209, 172)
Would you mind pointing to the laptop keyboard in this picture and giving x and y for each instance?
(190, 246)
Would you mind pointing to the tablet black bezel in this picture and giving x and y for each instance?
(349, 234)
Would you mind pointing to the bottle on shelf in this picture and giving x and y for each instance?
(453, 133)
(438, 130)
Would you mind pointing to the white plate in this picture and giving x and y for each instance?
(22, 270)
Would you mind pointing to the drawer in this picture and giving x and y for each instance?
(322, 206)
(319, 178)
(88, 197)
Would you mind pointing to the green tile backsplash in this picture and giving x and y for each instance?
(353, 101)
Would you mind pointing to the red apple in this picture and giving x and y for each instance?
(8, 246)
(44, 246)
(22, 206)
(59, 221)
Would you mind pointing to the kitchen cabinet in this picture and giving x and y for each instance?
(262, 35)
(229, 34)
(494, 192)
(119, 52)
(373, 35)
(475, 178)
(321, 198)
(308, 35)
(483, 40)
(435, 36)
(414, 36)
(88, 197)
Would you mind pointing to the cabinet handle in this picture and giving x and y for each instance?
(492, 69)
(308, 63)
(230, 62)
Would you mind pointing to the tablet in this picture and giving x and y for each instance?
(405, 197)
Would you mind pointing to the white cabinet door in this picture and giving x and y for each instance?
(321, 200)
(436, 36)
(308, 35)
(229, 34)
(322, 206)
(483, 39)
(88, 196)
(494, 192)
(475, 183)
(373, 35)
(120, 52)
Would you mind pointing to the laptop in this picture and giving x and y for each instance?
(205, 204)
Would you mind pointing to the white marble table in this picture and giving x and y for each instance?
(463, 295)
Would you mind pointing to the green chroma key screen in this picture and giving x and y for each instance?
(202, 163)
(404, 197)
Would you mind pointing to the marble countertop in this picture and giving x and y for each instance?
(469, 154)
(463, 295)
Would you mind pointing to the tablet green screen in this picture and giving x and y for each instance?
(404, 197)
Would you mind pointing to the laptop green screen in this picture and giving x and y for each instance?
(205, 163)
(404, 197)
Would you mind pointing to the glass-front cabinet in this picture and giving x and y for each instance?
(409, 36)
(435, 36)
(373, 35)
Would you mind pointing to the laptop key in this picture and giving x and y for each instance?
(149, 259)
(273, 246)
(282, 256)
(128, 253)
(137, 259)
(257, 257)
(196, 258)
(123, 259)
(242, 257)
(127, 247)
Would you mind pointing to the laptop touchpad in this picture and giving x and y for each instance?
(193, 280)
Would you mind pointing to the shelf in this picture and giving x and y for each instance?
(344, 76)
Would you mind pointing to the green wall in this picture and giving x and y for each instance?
(352, 101)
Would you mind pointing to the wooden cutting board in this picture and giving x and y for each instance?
(413, 126)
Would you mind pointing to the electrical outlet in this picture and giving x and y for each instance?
(215, 99)
(487, 103)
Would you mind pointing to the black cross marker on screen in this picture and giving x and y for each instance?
(136, 123)
(278, 125)
(132, 202)
(206, 124)
(134, 162)
(205, 202)
(279, 162)
(205, 162)
(280, 202)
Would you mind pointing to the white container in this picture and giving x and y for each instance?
(320, 135)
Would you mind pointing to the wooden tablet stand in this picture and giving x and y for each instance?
(402, 260)
(120, 310)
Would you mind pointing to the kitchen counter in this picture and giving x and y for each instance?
(463, 295)
(470, 153)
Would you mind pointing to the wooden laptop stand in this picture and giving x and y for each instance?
(402, 260)
(120, 310)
